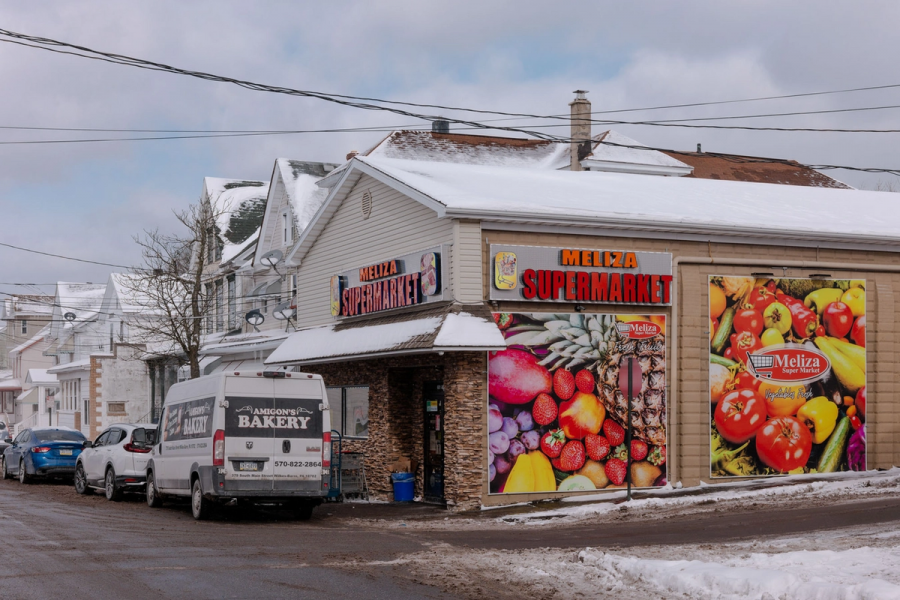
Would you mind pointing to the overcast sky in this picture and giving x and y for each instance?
(88, 200)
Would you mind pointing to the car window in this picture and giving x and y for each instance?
(116, 436)
(144, 437)
(101, 439)
(59, 435)
(20, 439)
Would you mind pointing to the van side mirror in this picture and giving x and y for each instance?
(87, 444)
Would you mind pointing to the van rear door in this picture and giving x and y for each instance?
(298, 435)
(249, 443)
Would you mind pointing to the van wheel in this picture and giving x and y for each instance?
(154, 500)
(81, 484)
(23, 474)
(200, 506)
(113, 493)
(303, 510)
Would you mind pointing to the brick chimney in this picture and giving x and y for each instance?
(581, 129)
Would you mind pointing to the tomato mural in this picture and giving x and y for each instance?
(787, 376)
(557, 418)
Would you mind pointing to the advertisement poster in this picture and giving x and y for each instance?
(787, 376)
(557, 418)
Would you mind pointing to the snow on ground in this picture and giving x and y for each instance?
(859, 563)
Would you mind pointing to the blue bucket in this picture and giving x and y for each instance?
(404, 485)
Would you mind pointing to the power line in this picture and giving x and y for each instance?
(93, 262)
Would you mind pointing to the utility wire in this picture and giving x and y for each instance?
(93, 262)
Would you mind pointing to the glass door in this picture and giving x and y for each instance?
(433, 399)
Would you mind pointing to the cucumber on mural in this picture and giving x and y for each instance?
(556, 419)
(787, 376)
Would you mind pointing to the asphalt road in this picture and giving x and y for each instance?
(59, 544)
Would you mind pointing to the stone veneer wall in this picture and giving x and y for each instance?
(396, 418)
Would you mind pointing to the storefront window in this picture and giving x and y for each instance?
(350, 410)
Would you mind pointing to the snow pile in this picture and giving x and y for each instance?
(820, 575)
(866, 484)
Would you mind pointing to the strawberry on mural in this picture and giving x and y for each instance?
(557, 381)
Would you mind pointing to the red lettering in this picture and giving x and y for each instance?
(345, 303)
(559, 282)
(654, 289)
(584, 286)
(615, 287)
(599, 287)
(415, 287)
(528, 286)
(385, 295)
(570, 285)
(545, 285)
(628, 282)
(666, 283)
(643, 289)
(393, 293)
(357, 300)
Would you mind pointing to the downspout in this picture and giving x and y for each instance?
(674, 460)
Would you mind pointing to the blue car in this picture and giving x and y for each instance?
(42, 452)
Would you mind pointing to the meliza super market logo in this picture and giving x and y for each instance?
(788, 364)
(638, 330)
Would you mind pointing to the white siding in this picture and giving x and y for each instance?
(466, 263)
(397, 225)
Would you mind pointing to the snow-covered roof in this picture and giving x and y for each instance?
(438, 329)
(10, 384)
(232, 251)
(304, 195)
(127, 289)
(680, 206)
(37, 338)
(617, 153)
(23, 305)
(81, 299)
(238, 205)
(40, 377)
(245, 342)
(472, 149)
(75, 365)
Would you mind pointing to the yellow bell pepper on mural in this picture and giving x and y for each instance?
(531, 473)
(820, 415)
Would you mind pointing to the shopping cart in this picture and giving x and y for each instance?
(762, 364)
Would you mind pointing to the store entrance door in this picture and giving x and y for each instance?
(433, 400)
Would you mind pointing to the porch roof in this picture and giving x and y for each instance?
(450, 327)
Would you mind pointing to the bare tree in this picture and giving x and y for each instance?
(169, 288)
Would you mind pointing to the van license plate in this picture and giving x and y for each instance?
(65, 453)
(248, 466)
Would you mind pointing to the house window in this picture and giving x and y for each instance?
(24, 326)
(220, 305)
(232, 308)
(284, 227)
(350, 410)
(208, 309)
(84, 416)
(115, 407)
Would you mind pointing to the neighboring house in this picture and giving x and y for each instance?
(23, 315)
(76, 335)
(30, 354)
(257, 267)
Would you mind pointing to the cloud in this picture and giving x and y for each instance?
(504, 55)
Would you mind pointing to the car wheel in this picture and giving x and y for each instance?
(81, 484)
(6, 474)
(113, 493)
(23, 475)
(200, 506)
(154, 500)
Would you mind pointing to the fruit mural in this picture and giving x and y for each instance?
(556, 419)
(787, 376)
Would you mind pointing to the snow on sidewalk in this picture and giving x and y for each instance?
(844, 488)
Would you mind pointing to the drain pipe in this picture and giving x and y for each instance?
(674, 461)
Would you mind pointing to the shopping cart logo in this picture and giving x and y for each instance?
(638, 330)
(788, 364)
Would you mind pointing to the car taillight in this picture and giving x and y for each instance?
(40, 449)
(129, 447)
(326, 449)
(219, 448)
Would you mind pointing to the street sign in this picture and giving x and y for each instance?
(630, 380)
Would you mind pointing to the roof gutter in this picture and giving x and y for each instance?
(386, 354)
(610, 166)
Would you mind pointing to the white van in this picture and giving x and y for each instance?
(255, 436)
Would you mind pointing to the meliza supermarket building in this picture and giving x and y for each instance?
(471, 320)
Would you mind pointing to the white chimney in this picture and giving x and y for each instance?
(581, 129)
